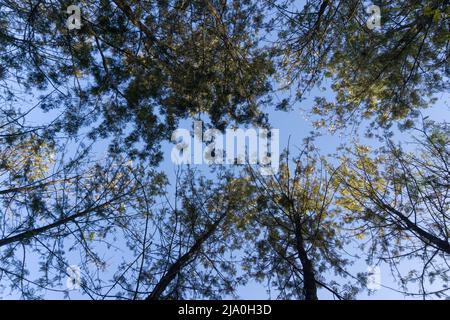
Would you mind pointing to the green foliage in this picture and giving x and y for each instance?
(400, 199)
(385, 75)
(137, 68)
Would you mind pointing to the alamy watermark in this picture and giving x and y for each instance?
(374, 21)
(73, 280)
(74, 20)
(373, 278)
(235, 146)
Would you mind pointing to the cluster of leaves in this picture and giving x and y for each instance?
(386, 74)
(136, 68)
(297, 230)
(401, 200)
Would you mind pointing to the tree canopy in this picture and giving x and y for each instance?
(85, 113)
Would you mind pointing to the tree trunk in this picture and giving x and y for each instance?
(424, 235)
(37, 231)
(182, 261)
(309, 279)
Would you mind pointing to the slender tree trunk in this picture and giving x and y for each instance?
(425, 236)
(309, 279)
(182, 262)
(34, 232)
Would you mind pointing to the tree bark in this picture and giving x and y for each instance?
(309, 279)
(424, 235)
(31, 233)
(182, 261)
